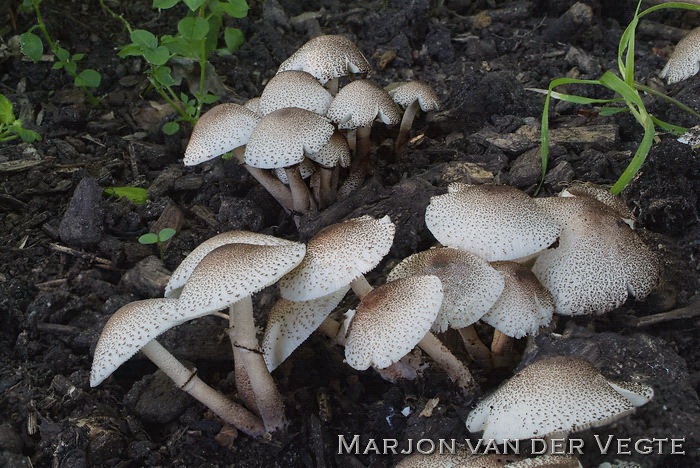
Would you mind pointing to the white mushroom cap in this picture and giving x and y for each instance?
(685, 59)
(525, 304)
(407, 93)
(495, 222)
(306, 169)
(598, 262)
(336, 152)
(219, 130)
(614, 202)
(283, 137)
(462, 458)
(337, 255)
(232, 272)
(253, 104)
(185, 269)
(327, 57)
(295, 89)
(127, 331)
(391, 320)
(471, 286)
(291, 323)
(547, 461)
(554, 397)
(359, 103)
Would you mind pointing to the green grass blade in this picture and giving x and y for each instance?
(639, 157)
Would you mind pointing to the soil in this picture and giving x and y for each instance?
(70, 255)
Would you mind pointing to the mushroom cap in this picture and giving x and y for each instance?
(327, 57)
(614, 202)
(306, 169)
(599, 260)
(295, 88)
(391, 320)
(283, 137)
(685, 59)
(554, 397)
(337, 255)
(407, 93)
(495, 222)
(290, 323)
(231, 272)
(253, 104)
(127, 331)
(219, 130)
(184, 270)
(334, 153)
(461, 458)
(547, 461)
(359, 103)
(470, 285)
(525, 304)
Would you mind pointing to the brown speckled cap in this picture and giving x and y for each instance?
(283, 137)
(337, 255)
(231, 272)
(295, 89)
(524, 306)
(253, 104)
(495, 222)
(685, 59)
(462, 458)
(219, 130)
(391, 320)
(471, 286)
(554, 396)
(336, 152)
(599, 260)
(127, 331)
(614, 202)
(327, 57)
(184, 270)
(407, 93)
(359, 103)
(548, 461)
(290, 323)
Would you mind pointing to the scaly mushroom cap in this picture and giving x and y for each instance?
(337, 255)
(685, 59)
(360, 102)
(127, 331)
(391, 320)
(283, 137)
(405, 94)
(614, 202)
(495, 222)
(462, 458)
(290, 323)
(327, 57)
(306, 169)
(547, 461)
(295, 89)
(554, 397)
(525, 304)
(599, 260)
(253, 104)
(471, 286)
(219, 130)
(185, 269)
(335, 152)
(231, 272)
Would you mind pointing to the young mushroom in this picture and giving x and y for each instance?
(294, 88)
(412, 96)
(685, 59)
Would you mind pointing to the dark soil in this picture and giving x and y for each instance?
(70, 256)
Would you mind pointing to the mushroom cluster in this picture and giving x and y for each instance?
(294, 130)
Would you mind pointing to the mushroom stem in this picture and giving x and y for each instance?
(360, 164)
(277, 189)
(362, 144)
(300, 192)
(245, 390)
(476, 349)
(360, 286)
(501, 347)
(325, 191)
(188, 381)
(405, 129)
(456, 370)
(268, 398)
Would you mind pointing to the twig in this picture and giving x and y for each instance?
(689, 311)
(80, 254)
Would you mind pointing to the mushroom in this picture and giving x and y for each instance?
(327, 58)
(253, 104)
(228, 127)
(552, 398)
(599, 261)
(547, 461)
(460, 458)
(614, 202)
(134, 327)
(282, 139)
(335, 153)
(356, 106)
(495, 222)
(412, 96)
(395, 317)
(294, 88)
(523, 307)
(685, 59)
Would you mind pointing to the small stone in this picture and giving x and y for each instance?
(560, 176)
(83, 224)
(147, 278)
(156, 399)
(525, 170)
